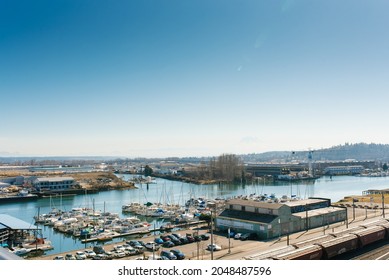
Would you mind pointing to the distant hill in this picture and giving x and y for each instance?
(359, 152)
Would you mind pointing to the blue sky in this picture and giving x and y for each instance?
(191, 78)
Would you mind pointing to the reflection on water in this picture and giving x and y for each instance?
(175, 192)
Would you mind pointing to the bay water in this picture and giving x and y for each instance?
(167, 191)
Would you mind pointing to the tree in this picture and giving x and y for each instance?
(148, 171)
(385, 167)
(227, 167)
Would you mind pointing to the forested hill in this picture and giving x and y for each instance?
(359, 151)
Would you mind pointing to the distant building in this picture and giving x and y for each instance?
(18, 180)
(53, 183)
(344, 170)
(270, 220)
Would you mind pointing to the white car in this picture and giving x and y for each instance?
(152, 246)
(213, 247)
(89, 253)
(80, 255)
(237, 236)
(119, 247)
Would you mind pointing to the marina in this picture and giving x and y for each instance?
(165, 192)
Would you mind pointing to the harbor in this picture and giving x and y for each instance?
(172, 193)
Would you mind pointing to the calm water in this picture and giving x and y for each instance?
(178, 192)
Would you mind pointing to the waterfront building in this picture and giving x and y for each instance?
(53, 184)
(20, 236)
(18, 180)
(271, 219)
(344, 170)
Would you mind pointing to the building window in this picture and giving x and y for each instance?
(243, 208)
(256, 210)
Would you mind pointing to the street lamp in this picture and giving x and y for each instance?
(229, 240)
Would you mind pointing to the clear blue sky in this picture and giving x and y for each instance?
(191, 78)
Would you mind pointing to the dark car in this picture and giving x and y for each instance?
(204, 237)
(165, 238)
(133, 243)
(184, 240)
(168, 255)
(175, 240)
(168, 244)
(249, 236)
(158, 241)
(177, 235)
(98, 249)
(179, 255)
(190, 238)
(197, 238)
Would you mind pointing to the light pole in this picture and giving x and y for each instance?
(229, 240)
(212, 246)
(383, 204)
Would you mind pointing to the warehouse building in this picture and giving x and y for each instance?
(53, 184)
(270, 219)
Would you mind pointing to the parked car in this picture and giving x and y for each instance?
(179, 255)
(80, 255)
(237, 236)
(249, 236)
(177, 235)
(98, 249)
(133, 243)
(152, 246)
(158, 241)
(119, 247)
(175, 240)
(58, 258)
(197, 238)
(165, 238)
(190, 238)
(118, 254)
(213, 247)
(99, 257)
(184, 240)
(89, 253)
(129, 251)
(168, 244)
(168, 255)
(204, 236)
(69, 257)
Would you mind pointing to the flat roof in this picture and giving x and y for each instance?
(308, 201)
(54, 179)
(259, 204)
(274, 205)
(10, 222)
(318, 212)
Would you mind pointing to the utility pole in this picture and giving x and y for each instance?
(229, 241)
(383, 204)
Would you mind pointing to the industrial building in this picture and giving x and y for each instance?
(344, 170)
(53, 184)
(271, 219)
